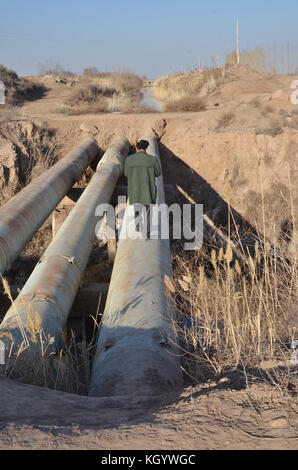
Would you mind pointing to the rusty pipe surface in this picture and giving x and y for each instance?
(47, 296)
(24, 214)
(136, 351)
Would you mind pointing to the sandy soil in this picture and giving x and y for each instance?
(212, 416)
(199, 154)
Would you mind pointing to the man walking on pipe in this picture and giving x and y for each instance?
(141, 169)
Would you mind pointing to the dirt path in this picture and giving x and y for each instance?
(197, 418)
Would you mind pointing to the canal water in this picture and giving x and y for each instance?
(150, 101)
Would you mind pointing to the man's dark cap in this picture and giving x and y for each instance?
(143, 144)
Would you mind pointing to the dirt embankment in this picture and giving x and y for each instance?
(17, 89)
(26, 151)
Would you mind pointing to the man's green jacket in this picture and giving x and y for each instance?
(141, 170)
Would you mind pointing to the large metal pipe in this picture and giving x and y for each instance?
(47, 297)
(136, 351)
(24, 214)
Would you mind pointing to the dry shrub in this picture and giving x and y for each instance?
(126, 83)
(19, 89)
(88, 98)
(105, 92)
(198, 83)
(85, 94)
(235, 316)
(225, 120)
(186, 104)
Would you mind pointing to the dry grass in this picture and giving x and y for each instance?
(106, 92)
(67, 370)
(235, 316)
(186, 104)
(87, 93)
(87, 98)
(196, 85)
(19, 89)
(44, 158)
(230, 316)
(125, 83)
(239, 311)
(34, 360)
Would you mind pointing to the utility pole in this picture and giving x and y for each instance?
(238, 50)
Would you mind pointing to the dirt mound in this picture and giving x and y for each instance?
(17, 89)
(242, 84)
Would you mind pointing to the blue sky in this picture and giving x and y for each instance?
(151, 37)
